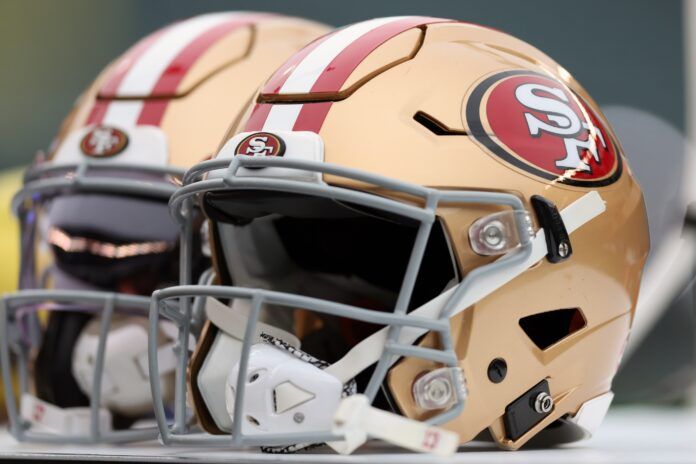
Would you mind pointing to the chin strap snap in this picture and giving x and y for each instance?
(357, 420)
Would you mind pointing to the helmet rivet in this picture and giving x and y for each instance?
(497, 370)
(438, 391)
(563, 249)
(493, 235)
(543, 403)
(298, 417)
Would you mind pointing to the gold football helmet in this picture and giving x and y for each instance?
(424, 231)
(97, 237)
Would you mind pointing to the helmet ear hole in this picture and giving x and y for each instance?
(550, 327)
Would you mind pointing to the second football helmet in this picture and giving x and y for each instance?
(97, 237)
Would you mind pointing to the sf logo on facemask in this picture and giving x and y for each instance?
(103, 142)
(261, 144)
(539, 125)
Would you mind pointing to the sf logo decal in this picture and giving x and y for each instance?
(563, 122)
(103, 142)
(261, 144)
(539, 125)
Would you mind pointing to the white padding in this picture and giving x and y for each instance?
(46, 417)
(356, 420)
(368, 351)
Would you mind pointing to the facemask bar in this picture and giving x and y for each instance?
(19, 327)
(181, 205)
(48, 179)
(12, 309)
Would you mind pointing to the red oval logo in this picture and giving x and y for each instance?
(261, 144)
(104, 141)
(539, 125)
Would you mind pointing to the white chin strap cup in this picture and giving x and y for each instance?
(283, 394)
(125, 386)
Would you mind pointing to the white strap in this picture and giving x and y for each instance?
(47, 417)
(167, 359)
(368, 351)
(356, 420)
(232, 320)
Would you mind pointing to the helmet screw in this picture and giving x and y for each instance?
(493, 235)
(497, 370)
(298, 417)
(543, 403)
(438, 391)
(563, 249)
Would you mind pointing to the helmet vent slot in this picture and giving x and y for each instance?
(550, 327)
(435, 126)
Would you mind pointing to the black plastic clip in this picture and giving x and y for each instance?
(557, 238)
(528, 410)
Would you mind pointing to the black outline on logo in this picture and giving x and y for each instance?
(476, 130)
(124, 136)
(281, 143)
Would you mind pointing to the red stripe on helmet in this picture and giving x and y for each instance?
(258, 116)
(312, 116)
(152, 112)
(337, 72)
(276, 81)
(97, 113)
(110, 87)
(168, 83)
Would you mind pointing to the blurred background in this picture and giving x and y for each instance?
(633, 56)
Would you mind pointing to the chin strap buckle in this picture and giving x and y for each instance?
(356, 420)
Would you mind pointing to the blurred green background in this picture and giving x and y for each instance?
(623, 51)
